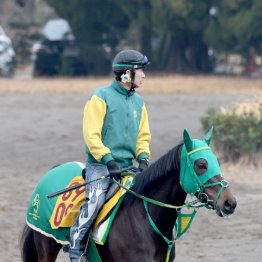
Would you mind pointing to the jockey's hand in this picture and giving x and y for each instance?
(143, 164)
(113, 169)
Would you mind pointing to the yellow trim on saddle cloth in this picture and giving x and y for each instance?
(108, 206)
(106, 216)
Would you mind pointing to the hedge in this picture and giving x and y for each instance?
(236, 135)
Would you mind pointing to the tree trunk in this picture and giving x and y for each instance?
(183, 53)
(198, 59)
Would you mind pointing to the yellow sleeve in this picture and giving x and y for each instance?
(94, 113)
(144, 137)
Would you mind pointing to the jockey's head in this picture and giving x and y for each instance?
(126, 65)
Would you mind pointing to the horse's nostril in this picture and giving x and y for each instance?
(229, 205)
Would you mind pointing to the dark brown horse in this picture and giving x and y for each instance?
(132, 236)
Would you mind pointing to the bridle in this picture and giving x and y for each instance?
(203, 197)
(195, 184)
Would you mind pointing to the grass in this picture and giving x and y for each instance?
(153, 84)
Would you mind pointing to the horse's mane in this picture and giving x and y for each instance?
(166, 165)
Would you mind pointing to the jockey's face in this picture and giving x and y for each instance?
(139, 77)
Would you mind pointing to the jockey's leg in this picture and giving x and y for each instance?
(95, 197)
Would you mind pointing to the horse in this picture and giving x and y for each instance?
(143, 228)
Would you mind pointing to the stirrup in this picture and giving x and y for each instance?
(66, 248)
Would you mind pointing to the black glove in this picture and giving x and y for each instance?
(143, 164)
(113, 169)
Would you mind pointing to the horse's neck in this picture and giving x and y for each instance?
(169, 192)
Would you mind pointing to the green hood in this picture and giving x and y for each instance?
(192, 150)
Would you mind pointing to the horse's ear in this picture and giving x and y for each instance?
(208, 135)
(188, 141)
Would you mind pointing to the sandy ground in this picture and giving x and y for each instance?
(41, 129)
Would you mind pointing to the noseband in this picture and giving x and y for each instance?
(211, 204)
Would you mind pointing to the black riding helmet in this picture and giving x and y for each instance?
(128, 60)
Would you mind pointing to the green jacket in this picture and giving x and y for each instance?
(115, 126)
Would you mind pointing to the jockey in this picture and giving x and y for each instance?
(116, 132)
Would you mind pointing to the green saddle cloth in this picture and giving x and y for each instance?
(40, 207)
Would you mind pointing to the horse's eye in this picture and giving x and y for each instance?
(200, 166)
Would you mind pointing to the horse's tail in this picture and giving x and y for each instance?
(27, 245)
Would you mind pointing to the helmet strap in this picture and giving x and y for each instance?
(132, 87)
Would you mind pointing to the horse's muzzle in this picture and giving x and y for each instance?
(227, 208)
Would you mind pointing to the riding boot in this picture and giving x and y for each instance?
(80, 253)
(95, 196)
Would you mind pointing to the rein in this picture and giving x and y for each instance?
(162, 204)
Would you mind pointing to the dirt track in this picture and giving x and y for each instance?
(39, 130)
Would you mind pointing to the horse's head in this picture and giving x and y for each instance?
(200, 174)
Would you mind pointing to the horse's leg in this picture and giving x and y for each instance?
(47, 248)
